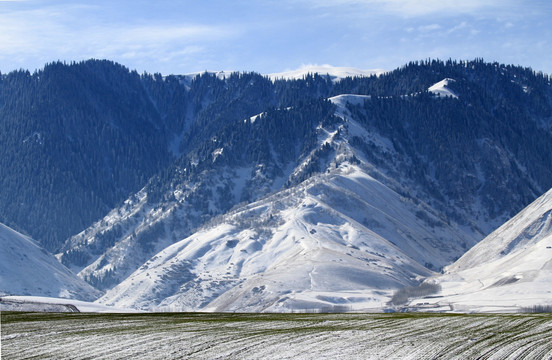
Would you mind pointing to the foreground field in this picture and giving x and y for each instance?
(275, 336)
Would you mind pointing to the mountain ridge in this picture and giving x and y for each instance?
(447, 164)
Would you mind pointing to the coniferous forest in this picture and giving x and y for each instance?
(78, 139)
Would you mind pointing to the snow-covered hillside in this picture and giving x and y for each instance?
(509, 270)
(327, 202)
(304, 248)
(339, 240)
(28, 269)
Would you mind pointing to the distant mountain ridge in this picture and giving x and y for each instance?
(334, 73)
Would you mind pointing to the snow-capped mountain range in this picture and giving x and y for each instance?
(316, 189)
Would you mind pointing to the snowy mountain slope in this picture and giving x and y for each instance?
(341, 238)
(429, 177)
(335, 73)
(28, 269)
(290, 251)
(120, 243)
(508, 270)
(222, 174)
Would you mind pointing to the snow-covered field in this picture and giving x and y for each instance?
(275, 336)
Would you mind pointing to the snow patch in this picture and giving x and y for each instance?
(441, 88)
(217, 153)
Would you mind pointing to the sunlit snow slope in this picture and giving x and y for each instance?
(509, 270)
(28, 269)
(296, 250)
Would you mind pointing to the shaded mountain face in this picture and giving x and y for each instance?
(463, 146)
(78, 139)
(28, 269)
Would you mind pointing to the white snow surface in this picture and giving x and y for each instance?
(509, 270)
(44, 304)
(28, 269)
(301, 249)
(441, 88)
(275, 336)
(334, 72)
(341, 239)
(344, 99)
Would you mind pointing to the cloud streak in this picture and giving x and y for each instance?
(415, 8)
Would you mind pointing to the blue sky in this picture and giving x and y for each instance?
(174, 37)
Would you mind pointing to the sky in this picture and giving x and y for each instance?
(268, 36)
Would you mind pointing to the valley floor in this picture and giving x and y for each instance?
(275, 336)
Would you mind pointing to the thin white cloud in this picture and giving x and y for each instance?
(152, 43)
(415, 8)
(170, 33)
(461, 26)
(429, 28)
